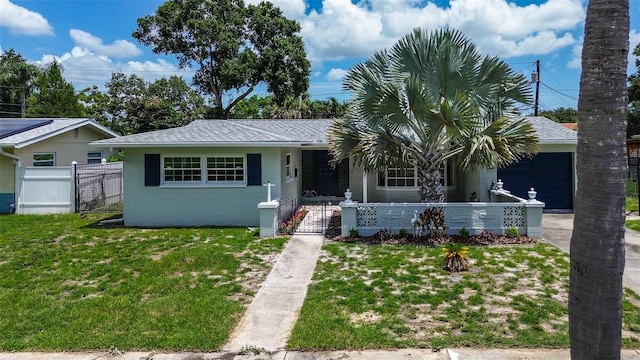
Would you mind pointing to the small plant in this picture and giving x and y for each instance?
(251, 350)
(404, 233)
(512, 232)
(353, 233)
(289, 226)
(464, 233)
(455, 257)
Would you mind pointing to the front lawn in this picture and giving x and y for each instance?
(69, 284)
(365, 297)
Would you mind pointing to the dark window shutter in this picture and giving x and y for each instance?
(151, 169)
(254, 169)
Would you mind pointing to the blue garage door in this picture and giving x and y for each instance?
(551, 174)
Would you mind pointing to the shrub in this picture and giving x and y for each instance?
(289, 226)
(353, 233)
(404, 233)
(464, 233)
(455, 257)
(512, 232)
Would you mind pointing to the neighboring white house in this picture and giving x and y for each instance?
(46, 142)
(212, 172)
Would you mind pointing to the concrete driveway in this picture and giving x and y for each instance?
(557, 230)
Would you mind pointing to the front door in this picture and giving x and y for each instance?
(327, 178)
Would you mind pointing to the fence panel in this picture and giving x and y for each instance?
(99, 188)
(45, 190)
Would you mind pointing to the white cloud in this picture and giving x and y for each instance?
(336, 74)
(576, 57)
(84, 68)
(119, 48)
(19, 20)
(341, 29)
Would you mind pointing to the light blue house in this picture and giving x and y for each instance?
(213, 172)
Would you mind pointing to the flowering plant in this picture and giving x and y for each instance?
(288, 226)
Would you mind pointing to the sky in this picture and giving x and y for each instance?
(91, 39)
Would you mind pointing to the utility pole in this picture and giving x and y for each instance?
(535, 78)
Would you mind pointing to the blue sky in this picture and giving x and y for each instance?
(92, 38)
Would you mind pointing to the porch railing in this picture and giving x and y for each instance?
(505, 211)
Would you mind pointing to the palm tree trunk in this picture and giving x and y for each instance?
(430, 188)
(597, 242)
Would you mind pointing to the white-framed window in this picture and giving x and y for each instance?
(94, 157)
(204, 170)
(407, 177)
(288, 166)
(225, 169)
(44, 159)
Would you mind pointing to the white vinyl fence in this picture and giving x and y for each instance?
(45, 190)
(67, 189)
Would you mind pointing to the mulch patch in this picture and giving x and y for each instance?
(385, 237)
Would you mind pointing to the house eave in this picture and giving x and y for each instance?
(78, 125)
(558, 142)
(204, 144)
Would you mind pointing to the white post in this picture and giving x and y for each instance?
(365, 189)
(269, 185)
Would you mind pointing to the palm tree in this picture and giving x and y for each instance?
(431, 98)
(597, 243)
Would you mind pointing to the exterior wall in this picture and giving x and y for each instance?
(291, 186)
(7, 183)
(479, 182)
(381, 194)
(69, 146)
(167, 205)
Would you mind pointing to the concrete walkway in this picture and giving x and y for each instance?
(268, 321)
(557, 229)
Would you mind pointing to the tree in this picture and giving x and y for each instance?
(95, 104)
(53, 96)
(431, 98)
(255, 107)
(597, 253)
(16, 76)
(234, 47)
(633, 116)
(136, 106)
(561, 115)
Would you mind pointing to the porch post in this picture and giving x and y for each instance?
(268, 218)
(365, 190)
(348, 220)
(533, 215)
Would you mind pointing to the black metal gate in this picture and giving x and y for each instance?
(99, 188)
(316, 217)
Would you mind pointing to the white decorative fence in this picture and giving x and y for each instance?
(525, 215)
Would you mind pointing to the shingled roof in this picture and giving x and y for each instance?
(231, 133)
(277, 133)
(44, 128)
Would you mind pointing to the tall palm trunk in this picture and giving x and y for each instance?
(430, 188)
(597, 242)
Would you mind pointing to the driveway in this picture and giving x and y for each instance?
(557, 230)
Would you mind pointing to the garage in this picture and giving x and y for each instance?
(550, 173)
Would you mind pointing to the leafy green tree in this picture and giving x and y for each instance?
(53, 96)
(255, 107)
(597, 253)
(235, 48)
(561, 115)
(136, 106)
(95, 104)
(432, 97)
(634, 80)
(16, 78)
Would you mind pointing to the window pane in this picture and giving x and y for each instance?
(225, 169)
(182, 169)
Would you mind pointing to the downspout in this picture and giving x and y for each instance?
(16, 177)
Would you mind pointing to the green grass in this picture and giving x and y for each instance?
(68, 284)
(364, 297)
